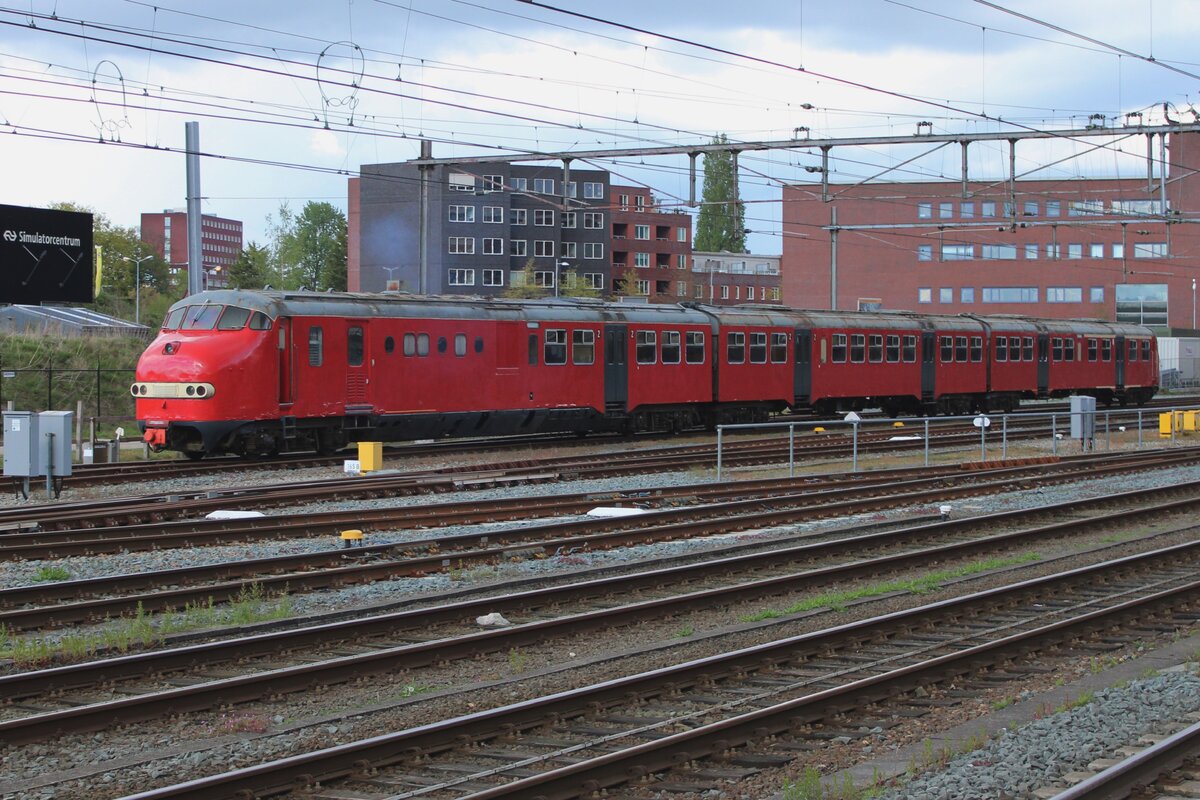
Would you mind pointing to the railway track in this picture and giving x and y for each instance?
(44, 605)
(770, 698)
(1165, 770)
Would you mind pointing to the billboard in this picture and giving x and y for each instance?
(45, 256)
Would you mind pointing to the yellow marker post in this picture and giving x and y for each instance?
(352, 538)
(1165, 421)
(370, 456)
(1189, 421)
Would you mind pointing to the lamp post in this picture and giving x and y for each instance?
(137, 285)
(558, 274)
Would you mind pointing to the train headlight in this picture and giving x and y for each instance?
(191, 391)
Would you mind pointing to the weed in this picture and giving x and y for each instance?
(517, 660)
(1002, 703)
(806, 787)
(47, 574)
(684, 632)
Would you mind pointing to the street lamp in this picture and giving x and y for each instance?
(558, 274)
(137, 285)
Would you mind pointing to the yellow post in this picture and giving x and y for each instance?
(370, 456)
(1164, 424)
(1189, 421)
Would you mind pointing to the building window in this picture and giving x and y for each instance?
(681, 288)
(1142, 303)
(945, 295)
(1010, 294)
(517, 216)
(987, 208)
(543, 248)
(670, 347)
(1096, 294)
(583, 346)
(555, 349)
(1005, 252)
(1074, 251)
(568, 219)
(1053, 208)
(493, 277)
(570, 189)
(966, 294)
(1118, 250)
(639, 201)
(493, 247)
(493, 213)
(1030, 208)
(1053, 251)
(643, 287)
(462, 245)
(681, 261)
(624, 200)
(594, 280)
(945, 210)
(1150, 250)
(958, 252)
(966, 210)
(543, 185)
(518, 247)
(699, 290)
(641, 259)
(1031, 252)
(1096, 251)
(646, 347)
(568, 249)
(543, 217)
(724, 292)
(924, 252)
(641, 231)
(924, 210)
(593, 191)
(1085, 208)
(593, 220)
(462, 213)
(593, 250)
(735, 348)
(461, 182)
(544, 278)
(681, 234)
(924, 295)
(462, 277)
(519, 184)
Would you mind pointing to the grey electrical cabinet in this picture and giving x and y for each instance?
(21, 451)
(1083, 417)
(55, 445)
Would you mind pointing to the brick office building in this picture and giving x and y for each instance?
(220, 242)
(1121, 249)
(651, 246)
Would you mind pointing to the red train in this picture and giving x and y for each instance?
(256, 372)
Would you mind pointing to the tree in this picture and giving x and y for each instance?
(572, 286)
(722, 222)
(309, 248)
(627, 284)
(252, 270)
(525, 287)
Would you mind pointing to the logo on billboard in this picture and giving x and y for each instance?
(10, 236)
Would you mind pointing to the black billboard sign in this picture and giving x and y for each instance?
(45, 256)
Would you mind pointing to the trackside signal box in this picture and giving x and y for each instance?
(21, 440)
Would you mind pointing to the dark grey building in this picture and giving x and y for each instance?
(486, 224)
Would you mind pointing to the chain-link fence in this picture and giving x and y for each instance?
(103, 392)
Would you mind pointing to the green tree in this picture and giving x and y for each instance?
(722, 222)
(627, 284)
(252, 270)
(309, 249)
(572, 286)
(524, 287)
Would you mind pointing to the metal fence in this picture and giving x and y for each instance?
(103, 392)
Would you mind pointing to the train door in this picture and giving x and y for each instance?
(286, 386)
(358, 367)
(616, 372)
(1120, 361)
(802, 378)
(1043, 363)
(928, 366)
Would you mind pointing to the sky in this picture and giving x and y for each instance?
(294, 97)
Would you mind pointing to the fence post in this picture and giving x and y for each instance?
(50, 384)
(854, 465)
(792, 450)
(1004, 437)
(1139, 430)
(98, 412)
(719, 432)
(1054, 434)
(927, 441)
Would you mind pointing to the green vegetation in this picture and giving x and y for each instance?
(1002, 703)
(685, 632)
(517, 660)
(837, 600)
(48, 574)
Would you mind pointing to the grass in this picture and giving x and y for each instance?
(517, 660)
(143, 630)
(48, 574)
(837, 601)
(685, 632)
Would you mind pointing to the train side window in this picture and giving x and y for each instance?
(174, 319)
(478, 344)
(977, 348)
(389, 345)
(893, 349)
(583, 347)
(422, 344)
(758, 348)
(858, 348)
(647, 347)
(1093, 350)
(779, 348)
(1132, 349)
(1002, 348)
(441, 344)
(735, 348)
(875, 349)
(1145, 349)
(947, 349)
(1068, 349)
(260, 321)
(1056, 349)
(556, 346)
(354, 346)
(960, 349)
(823, 346)
(316, 346)
(1027, 349)
(533, 349)
(695, 347)
(670, 347)
(837, 349)
(233, 319)
(910, 349)
(460, 344)
(1106, 349)
(410, 344)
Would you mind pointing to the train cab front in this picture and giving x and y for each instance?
(195, 385)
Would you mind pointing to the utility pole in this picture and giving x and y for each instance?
(195, 253)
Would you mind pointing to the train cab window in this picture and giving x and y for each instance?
(670, 347)
(410, 344)
(735, 348)
(354, 346)
(1068, 349)
(316, 346)
(233, 319)
(694, 352)
(977, 348)
(875, 349)
(1093, 350)
(910, 349)
(460, 344)
(201, 318)
(947, 349)
(174, 319)
(779, 348)
(389, 345)
(1145, 349)
(533, 349)
(583, 347)
(1106, 349)
(960, 349)
(837, 348)
(556, 346)
(478, 344)
(1027, 349)
(647, 347)
(758, 348)
(1132, 350)
(858, 348)
(893, 349)
(259, 321)
(1002, 348)
(441, 344)
(1056, 349)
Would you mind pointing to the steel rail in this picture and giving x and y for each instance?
(1134, 774)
